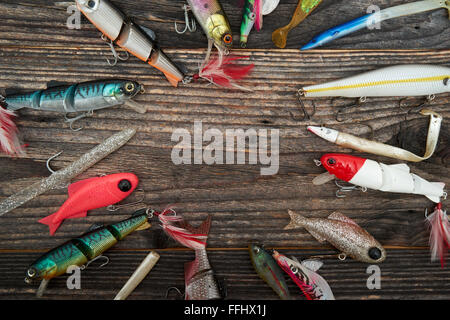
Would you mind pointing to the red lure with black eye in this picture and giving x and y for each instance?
(343, 166)
(92, 194)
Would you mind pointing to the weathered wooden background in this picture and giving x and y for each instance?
(36, 47)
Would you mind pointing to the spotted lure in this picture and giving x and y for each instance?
(373, 19)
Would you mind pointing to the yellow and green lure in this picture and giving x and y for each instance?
(81, 250)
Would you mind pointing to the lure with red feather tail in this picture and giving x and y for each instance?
(440, 234)
(9, 141)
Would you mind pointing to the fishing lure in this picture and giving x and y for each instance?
(440, 234)
(92, 194)
(374, 19)
(137, 40)
(84, 249)
(252, 16)
(370, 174)
(64, 176)
(303, 10)
(393, 81)
(343, 233)
(363, 145)
(304, 274)
(200, 280)
(269, 271)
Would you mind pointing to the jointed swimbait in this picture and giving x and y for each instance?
(269, 271)
(363, 145)
(138, 41)
(81, 250)
(375, 18)
(343, 233)
(379, 176)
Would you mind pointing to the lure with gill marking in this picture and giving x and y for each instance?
(373, 19)
(139, 41)
(305, 276)
(199, 277)
(343, 233)
(92, 194)
(370, 174)
(268, 270)
(83, 249)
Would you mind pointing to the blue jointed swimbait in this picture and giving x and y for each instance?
(374, 18)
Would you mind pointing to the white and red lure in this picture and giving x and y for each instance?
(9, 141)
(370, 174)
(440, 234)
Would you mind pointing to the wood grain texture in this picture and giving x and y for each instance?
(36, 47)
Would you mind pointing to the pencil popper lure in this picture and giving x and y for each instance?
(303, 10)
(92, 194)
(343, 233)
(305, 276)
(84, 249)
(64, 176)
(252, 16)
(369, 174)
(268, 270)
(409, 80)
(82, 98)
(439, 224)
(374, 19)
(363, 145)
(137, 40)
(219, 68)
(199, 277)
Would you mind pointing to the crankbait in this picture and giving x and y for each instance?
(268, 270)
(252, 16)
(370, 174)
(343, 233)
(393, 81)
(440, 234)
(92, 194)
(374, 19)
(304, 274)
(64, 176)
(363, 145)
(199, 277)
(84, 249)
(82, 97)
(303, 10)
(137, 40)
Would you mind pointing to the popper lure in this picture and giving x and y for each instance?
(303, 10)
(343, 233)
(92, 194)
(370, 174)
(199, 277)
(252, 16)
(139, 41)
(394, 81)
(439, 223)
(305, 276)
(64, 176)
(374, 19)
(363, 145)
(84, 249)
(268, 270)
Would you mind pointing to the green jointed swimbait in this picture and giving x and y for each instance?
(83, 249)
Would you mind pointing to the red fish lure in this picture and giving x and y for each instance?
(92, 194)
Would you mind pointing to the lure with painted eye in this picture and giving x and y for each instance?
(92, 194)
(85, 248)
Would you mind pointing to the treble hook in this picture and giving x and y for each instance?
(359, 102)
(71, 121)
(191, 26)
(50, 159)
(417, 109)
(347, 189)
(306, 115)
(116, 56)
(95, 259)
(113, 208)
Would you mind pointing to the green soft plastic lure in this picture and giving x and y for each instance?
(83, 249)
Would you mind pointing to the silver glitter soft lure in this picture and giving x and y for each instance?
(64, 176)
(343, 233)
